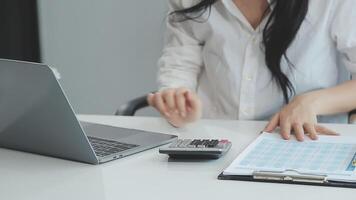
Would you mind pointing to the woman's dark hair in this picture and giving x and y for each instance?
(281, 29)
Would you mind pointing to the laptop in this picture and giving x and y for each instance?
(36, 117)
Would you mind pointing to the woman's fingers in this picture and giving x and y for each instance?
(310, 129)
(192, 100)
(160, 105)
(168, 97)
(322, 130)
(150, 98)
(272, 124)
(179, 106)
(181, 102)
(298, 131)
(285, 130)
(173, 102)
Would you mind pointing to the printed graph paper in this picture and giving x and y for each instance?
(323, 156)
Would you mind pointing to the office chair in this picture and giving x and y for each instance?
(131, 107)
(352, 117)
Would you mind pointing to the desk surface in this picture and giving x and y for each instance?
(149, 175)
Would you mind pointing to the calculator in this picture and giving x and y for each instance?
(197, 148)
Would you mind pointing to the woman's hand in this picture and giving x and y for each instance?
(300, 117)
(178, 105)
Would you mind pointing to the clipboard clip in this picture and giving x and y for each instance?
(282, 176)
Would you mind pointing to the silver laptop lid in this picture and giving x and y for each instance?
(35, 115)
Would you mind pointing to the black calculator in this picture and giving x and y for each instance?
(197, 149)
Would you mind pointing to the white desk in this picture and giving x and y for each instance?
(148, 175)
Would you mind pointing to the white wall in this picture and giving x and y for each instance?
(105, 50)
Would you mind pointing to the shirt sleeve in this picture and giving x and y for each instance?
(343, 31)
(181, 60)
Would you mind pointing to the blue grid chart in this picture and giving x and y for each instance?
(310, 156)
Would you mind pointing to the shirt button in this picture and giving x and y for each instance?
(245, 112)
(249, 78)
(254, 39)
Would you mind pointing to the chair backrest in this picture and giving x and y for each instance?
(131, 107)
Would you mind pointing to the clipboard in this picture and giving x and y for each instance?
(272, 177)
(301, 176)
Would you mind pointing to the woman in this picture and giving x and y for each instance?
(289, 61)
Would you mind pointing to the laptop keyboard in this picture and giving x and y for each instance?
(104, 147)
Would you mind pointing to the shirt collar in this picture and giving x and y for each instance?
(235, 11)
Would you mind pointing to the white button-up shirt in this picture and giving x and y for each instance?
(223, 59)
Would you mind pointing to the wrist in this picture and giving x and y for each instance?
(313, 101)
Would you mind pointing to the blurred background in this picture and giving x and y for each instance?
(106, 51)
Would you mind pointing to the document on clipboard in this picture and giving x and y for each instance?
(328, 161)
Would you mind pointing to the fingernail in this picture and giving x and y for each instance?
(286, 137)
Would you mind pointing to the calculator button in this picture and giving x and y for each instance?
(184, 143)
(213, 143)
(224, 141)
(195, 142)
(205, 142)
(175, 144)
